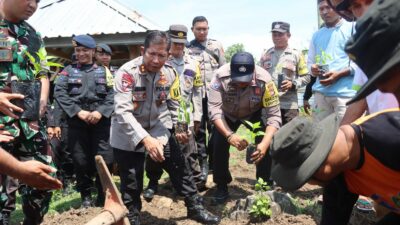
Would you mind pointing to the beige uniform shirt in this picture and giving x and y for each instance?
(207, 62)
(291, 63)
(145, 104)
(191, 85)
(227, 100)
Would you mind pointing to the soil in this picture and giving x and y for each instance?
(168, 209)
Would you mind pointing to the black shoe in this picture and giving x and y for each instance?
(86, 201)
(204, 170)
(197, 212)
(5, 218)
(149, 193)
(134, 217)
(67, 187)
(221, 194)
(100, 200)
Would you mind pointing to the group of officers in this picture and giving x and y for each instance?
(132, 116)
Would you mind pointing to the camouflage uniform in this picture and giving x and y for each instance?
(290, 64)
(19, 43)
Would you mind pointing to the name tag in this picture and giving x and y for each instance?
(5, 55)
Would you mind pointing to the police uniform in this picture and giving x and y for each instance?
(86, 87)
(191, 87)
(287, 64)
(20, 48)
(146, 105)
(257, 101)
(210, 55)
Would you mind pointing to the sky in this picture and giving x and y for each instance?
(236, 21)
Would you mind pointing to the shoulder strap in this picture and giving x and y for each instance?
(197, 44)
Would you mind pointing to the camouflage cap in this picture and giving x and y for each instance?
(178, 33)
(375, 47)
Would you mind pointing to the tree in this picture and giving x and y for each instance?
(233, 49)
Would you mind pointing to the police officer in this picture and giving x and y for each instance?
(84, 91)
(191, 95)
(210, 54)
(146, 102)
(103, 57)
(288, 69)
(241, 91)
(21, 46)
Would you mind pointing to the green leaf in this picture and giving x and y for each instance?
(54, 64)
(257, 125)
(249, 123)
(260, 133)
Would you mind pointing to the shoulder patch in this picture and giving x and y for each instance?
(127, 82)
(215, 84)
(271, 95)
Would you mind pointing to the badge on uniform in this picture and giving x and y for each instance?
(5, 46)
(127, 82)
(271, 95)
(257, 91)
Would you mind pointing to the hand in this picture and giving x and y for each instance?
(155, 148)
(286, 85)
(5, 136)
(43, 107)
(94, 117)
(83, 115)
(6, 107)
(183, 138)
(50, 132)
(36, 174)
(329, 78)
(307, 106)
(238, 142)
(315, 70)
(259, 154)
(57, 132)
(196, 127)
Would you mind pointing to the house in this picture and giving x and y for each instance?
(107, 21)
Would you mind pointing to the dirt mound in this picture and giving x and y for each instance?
(73, 216)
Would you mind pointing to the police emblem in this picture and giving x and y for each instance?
(180, 34)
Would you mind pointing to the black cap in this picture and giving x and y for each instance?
(104, 48)
(242, 67)
(178, 33)
(343, 5)
(375, 47)
(84, 41)
(280, 26)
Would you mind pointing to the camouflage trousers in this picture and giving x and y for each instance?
(35, 203)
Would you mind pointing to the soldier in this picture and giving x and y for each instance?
(191, 92)
(103, 57)
(241, 91)
(210, 54)
(146, 94)
(24, 72)
(84, 91)
(287, 68)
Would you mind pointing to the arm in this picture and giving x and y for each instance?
(354, 111)
(307, 94)
(44, 94)
(106, 107)
(197, 96)
(333, 76)
(33, 173)
(221, 52)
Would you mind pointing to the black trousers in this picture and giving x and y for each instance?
(131, 169)
(62, 155)
(154, 170)
(85, 141)
(205, 148)
(221, 174)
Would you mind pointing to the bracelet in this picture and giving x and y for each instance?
(229, 136)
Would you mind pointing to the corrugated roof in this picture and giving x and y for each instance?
(65, 18)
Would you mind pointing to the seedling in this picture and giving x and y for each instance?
(38, 67)
(322, 60)
(252, 127)
(261, 207)
(184, 111)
